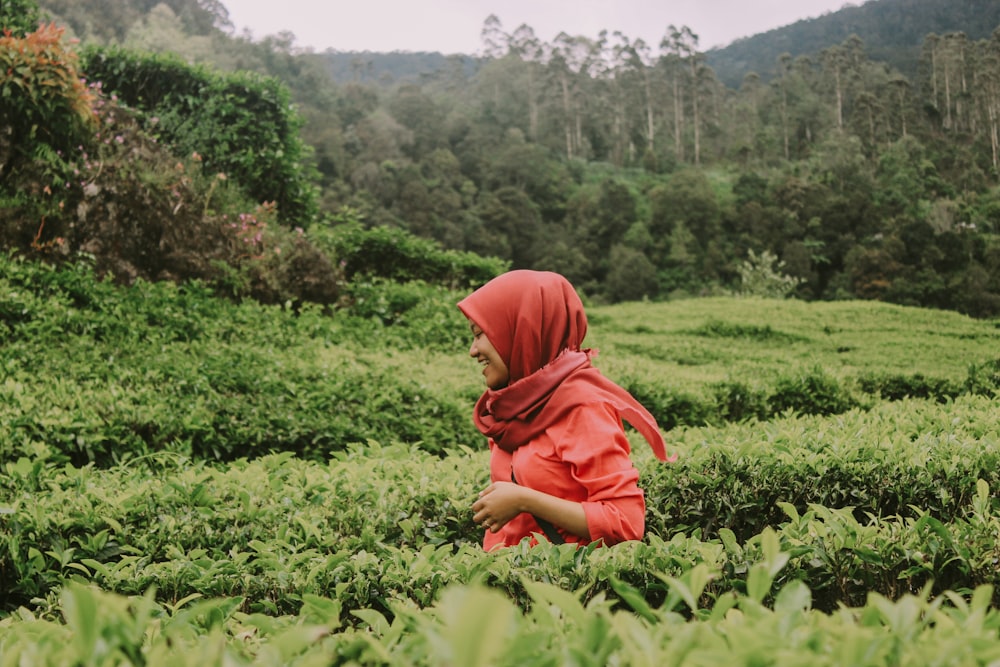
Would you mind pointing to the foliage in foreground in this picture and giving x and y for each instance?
(474, 627)
(878, 511)
(889, 501)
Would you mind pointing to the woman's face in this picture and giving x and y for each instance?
(494, 369)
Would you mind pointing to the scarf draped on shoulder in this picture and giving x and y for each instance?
(536, 322)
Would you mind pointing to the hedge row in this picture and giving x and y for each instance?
(277, 526)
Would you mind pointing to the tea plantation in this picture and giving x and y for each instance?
(192, 481)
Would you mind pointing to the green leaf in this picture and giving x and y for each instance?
(794, 596)
(321, 609)
(375, 620)
(477, 624)
(634, 599)
(553, 596)
(759, 582)
(80, 609)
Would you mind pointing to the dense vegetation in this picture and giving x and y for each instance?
(635, 171)
(234, 410)
(190, 480)
(892, 30)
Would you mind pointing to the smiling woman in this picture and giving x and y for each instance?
(494, 369)
(559, 455)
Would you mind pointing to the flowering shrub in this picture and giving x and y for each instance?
(84, 174)
(274, 264)
(47, 106)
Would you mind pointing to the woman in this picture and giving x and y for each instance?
(559, 456)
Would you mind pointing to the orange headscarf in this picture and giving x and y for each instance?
(536, 322)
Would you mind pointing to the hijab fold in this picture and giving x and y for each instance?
(536, 322)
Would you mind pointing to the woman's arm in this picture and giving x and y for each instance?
(502, 501)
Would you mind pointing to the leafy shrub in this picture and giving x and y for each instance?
(984, 378)
(139, 212)
(157, 366)
(241, 124)
(19, 16)
(738, 401)
(812, 392)
(715, 328)
(897, 387)
(382, 523)
(47, 108)
(273, 264)
(761, 276)
(397, 255)
(671, 408)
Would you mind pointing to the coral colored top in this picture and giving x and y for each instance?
(584, 458)
(558, 423)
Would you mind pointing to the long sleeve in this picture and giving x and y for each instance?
(584, 458)
(596, 450)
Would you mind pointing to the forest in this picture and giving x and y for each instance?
(632, 168)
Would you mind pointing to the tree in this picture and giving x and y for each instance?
(526, 46)
(685, 64)
(162, 31)
(19, 16)
(416, 111)
(631, 275)
(762, 276)
(511, 213)
(987, 93)
(687, 197)
(494, 38)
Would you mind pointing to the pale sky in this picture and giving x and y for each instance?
(454, 26)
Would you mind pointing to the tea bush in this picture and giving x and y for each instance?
(94, 372)
(896, 387)
(384, 525)
(398, 256)
(471, 625)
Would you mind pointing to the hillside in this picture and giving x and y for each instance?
(643, 178)
(393, 68)
(892, 31)
(96, 373)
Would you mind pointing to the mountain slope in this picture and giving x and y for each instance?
(892, 30)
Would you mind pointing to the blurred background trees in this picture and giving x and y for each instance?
(638, 170)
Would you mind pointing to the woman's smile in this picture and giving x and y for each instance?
(494, 369)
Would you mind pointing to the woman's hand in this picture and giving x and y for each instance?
(498, 503)
(502, 501)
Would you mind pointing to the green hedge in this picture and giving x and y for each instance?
(240, 124)
(885, 501)
(97, 373)
(398, 256)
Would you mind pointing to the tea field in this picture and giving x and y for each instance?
(191, 481)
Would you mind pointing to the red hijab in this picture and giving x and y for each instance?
(536, 322)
